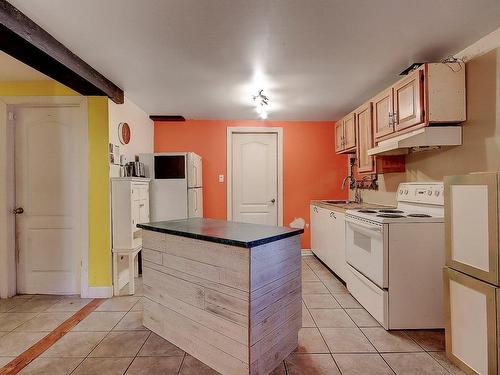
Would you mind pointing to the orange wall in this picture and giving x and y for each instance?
(311, 168)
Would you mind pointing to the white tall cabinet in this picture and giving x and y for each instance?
(472, 272)
(328, 239)
(129, 207)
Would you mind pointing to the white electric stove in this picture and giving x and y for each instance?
(396, 257)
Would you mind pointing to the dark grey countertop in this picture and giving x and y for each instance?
(221, 231)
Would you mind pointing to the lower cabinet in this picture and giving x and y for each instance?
(328, 239)
(472, 316)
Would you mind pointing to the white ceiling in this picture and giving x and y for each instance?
(316, 59)
(14, 70)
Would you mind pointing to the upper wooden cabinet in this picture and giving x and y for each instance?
(434, 93)
(345, 134)
(382, 113)
(365, 138)
(408, 101)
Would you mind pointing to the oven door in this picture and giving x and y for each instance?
(367, 249)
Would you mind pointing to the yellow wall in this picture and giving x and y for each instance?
(99, 227)
(481, 136)
(99, 273)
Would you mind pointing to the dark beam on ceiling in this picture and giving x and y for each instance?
(167, 118)
(24, 40)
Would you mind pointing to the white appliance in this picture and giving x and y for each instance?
(176, 189)
(396, 257)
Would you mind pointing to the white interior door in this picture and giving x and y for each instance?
(255, 178)
(48, 157)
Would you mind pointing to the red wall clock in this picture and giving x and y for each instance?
(124, 133)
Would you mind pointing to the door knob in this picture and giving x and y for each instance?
(273, 201)
(18, 211)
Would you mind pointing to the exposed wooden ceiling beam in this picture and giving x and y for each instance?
(24, 40)
(167, 118)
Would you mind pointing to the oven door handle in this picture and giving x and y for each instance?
(362, 225)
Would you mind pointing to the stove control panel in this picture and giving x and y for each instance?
(420, 192)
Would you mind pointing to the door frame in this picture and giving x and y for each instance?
(229, 183)
(8, 278)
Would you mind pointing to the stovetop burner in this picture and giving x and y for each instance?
(419, 215)
(390, 215)
(391, 211)
(365, 211)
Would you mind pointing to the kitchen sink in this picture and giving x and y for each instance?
(340, 202)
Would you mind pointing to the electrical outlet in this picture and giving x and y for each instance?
(221, 178)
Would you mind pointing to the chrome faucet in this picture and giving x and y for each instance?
(351, 179)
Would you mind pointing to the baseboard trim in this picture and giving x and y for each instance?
(306, 252)
(98, 292)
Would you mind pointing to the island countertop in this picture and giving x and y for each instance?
(223, 232)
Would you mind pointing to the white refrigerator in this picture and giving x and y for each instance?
(176, 189)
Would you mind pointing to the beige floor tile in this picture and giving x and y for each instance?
(314, 287)
(99, 321)
(15, 343)
(307, 320)
(155, 366)
(362, 318)
(446, 363)
(75, 344)
(347, 301)
(430, 340)
(279, 370)
(3, 333)
(390, 341)
(332, 318)
(362, 364)
(119, 304)
(8, 304)
(414, 364)
(335, 286)
(36, 304)
(23, 296)
(51, 366)
(320, 301)
(132, 321)
(69, 304)
(309, 275)
(317, 364)
(103, 366)
(44, 322)
(10, 321)
(346, 340)
(138, 305)
(192, 366)
(5, 360)
(120, 344)
(157, 346)
(311, 341)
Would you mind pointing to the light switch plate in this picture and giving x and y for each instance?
(221, 178)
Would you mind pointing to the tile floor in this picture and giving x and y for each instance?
(338, 337)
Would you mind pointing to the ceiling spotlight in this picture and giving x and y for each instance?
(261, 101)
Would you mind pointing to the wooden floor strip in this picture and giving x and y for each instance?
(21, 361)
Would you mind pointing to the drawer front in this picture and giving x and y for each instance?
(471, 322)
(371, 297)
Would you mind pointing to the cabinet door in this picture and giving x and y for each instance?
(335, 243)
(408, 101)
(382, 114)
(314, 228)
(350, 131)
(339, 136)
(471, 228)
(365, 138)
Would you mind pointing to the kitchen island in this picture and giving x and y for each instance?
(227, 293)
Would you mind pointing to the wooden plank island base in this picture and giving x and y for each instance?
(233, 303)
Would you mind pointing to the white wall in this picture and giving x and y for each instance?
(141, 128)
(141, 140)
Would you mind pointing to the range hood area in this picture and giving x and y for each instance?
(429, 137)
